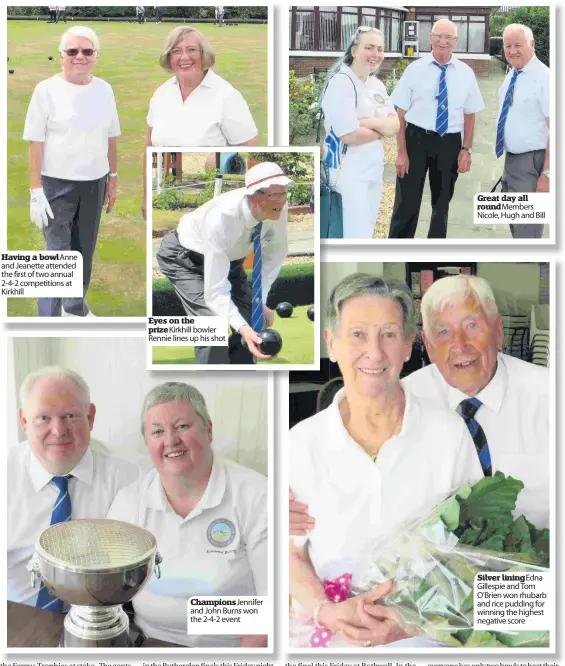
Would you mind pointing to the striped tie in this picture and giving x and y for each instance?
(257, 318)
(504, 113)
(61, 513)
(442, 117)
(467, 409)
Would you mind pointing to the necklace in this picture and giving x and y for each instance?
(374, 452)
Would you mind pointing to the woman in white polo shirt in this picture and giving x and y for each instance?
(376, 458)
(72, 127)
(208, 514)
(358, 113)
(196, 107)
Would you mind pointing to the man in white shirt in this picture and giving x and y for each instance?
(522, 125)
(219, 11)
(462, 330)
(57, 417)
(203, 258)
(436, 99)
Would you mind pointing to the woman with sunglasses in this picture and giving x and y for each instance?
(358, 113)
(72, 127)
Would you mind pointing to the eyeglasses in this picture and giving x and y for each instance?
(449, 38)
(274, 195)
(85, 52)
(190, 50)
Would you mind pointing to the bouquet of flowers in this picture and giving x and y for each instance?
(433, 563)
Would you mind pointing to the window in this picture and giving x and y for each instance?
(304, 31)
(328, 28)
(471, 30)
(349, 24)
(331, 28)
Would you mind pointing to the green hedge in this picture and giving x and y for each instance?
(175, 200)
(232, 12)
(294, 284)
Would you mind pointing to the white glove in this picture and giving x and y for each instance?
(39, 208)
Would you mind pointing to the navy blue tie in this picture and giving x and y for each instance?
(467, 409)
(504, 113)
(61, 513)
(442, 116)
(257, 318)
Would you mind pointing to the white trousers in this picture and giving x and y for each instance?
(361, 192)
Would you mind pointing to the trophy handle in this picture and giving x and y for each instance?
(33, 566)
(158, 560)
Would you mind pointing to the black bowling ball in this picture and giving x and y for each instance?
(311, 313)
(284, 310)
(11, 71)
(50, 57)
(271, 342)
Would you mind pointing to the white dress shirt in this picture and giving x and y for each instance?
(515, 420)
(214, 114)
(194, 563)
(74, 124)
(526, 124)
(31, 499)
(221, 230)
(342, 115)
(417, 91)
(357, 502)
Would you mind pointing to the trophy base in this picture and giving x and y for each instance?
(96, 626)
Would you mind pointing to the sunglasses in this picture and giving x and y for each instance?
(85, 52)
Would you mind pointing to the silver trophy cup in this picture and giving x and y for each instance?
(95, 566)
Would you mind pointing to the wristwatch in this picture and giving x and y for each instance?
(467, 149)
(546, 172)
(113, 175)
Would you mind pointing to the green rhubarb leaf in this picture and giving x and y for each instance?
(490, 498)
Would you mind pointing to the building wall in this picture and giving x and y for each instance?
(304, 65)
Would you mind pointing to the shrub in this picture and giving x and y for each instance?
(300, 194)
(169, 200)
(293, 164)
(495, 46)
(497, 24)
(303, 105)
(392, 79)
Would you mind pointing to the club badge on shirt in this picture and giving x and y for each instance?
(220, 532)
(379, 99)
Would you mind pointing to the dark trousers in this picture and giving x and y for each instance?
(158, 14)
(140, 18)
(52, 16)
(185, 270)
(77, 208)
(427, 152)
(521, 173)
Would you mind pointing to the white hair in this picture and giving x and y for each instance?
(454, 290)
(528, 34)
(80, 31)
(53, 372)
(444, 21)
